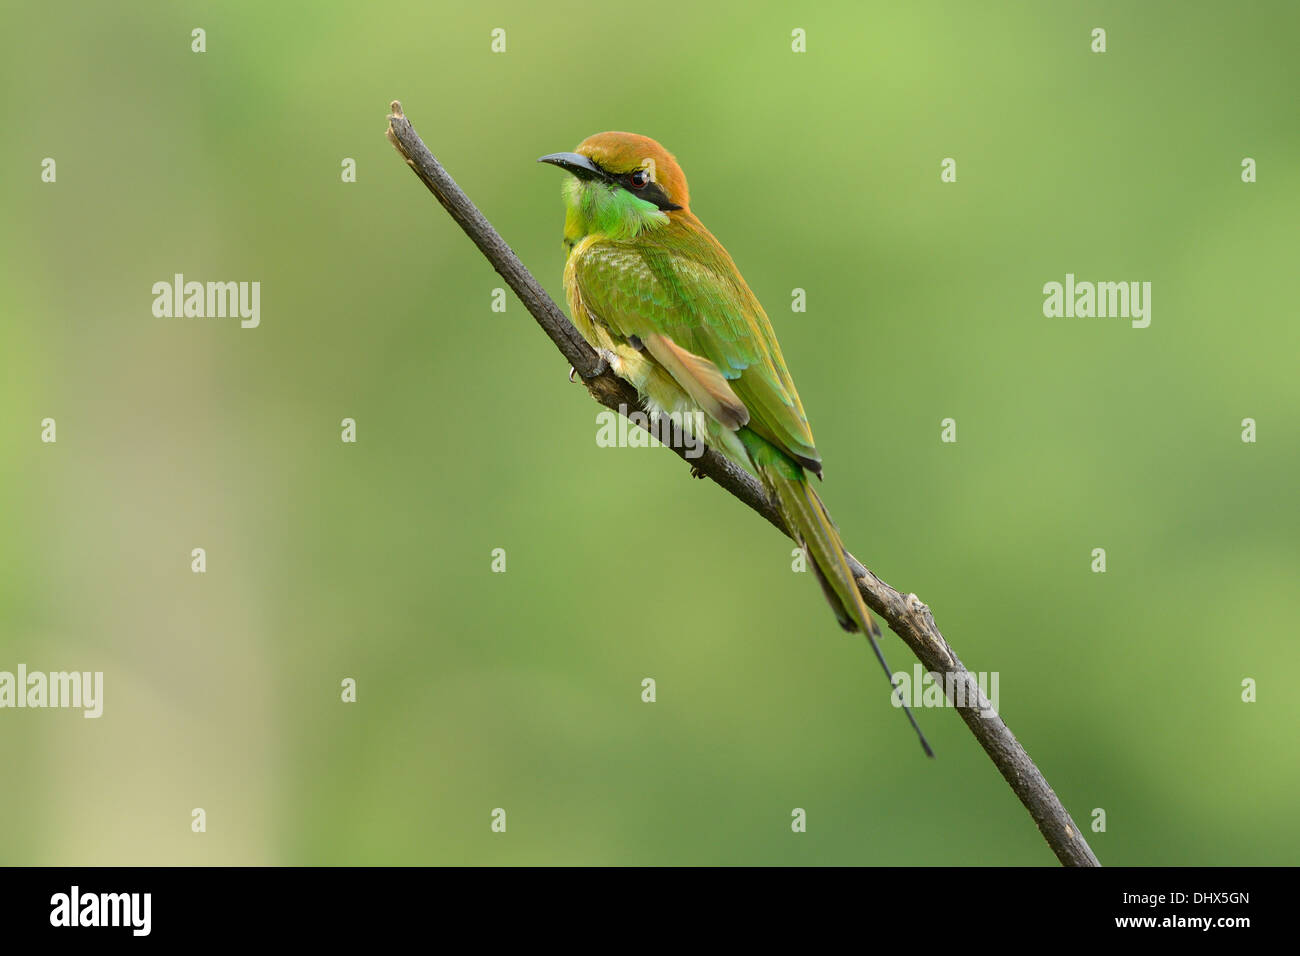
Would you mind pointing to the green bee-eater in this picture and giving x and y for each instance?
(659, 297)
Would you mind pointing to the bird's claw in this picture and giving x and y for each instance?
(696, 472)
(605, 360)
(605, 363)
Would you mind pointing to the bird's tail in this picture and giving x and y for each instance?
(806, 517)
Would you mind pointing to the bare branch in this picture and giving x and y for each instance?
(906, 615)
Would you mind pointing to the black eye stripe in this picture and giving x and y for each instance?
(653, 192)
(650, 192)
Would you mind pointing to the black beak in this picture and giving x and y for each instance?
(584, 168)
(579, 165)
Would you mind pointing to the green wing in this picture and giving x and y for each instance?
(681, 285)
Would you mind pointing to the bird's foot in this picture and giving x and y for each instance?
(696, 472)
(605, 360)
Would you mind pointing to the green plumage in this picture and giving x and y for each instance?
(681, 283)
(652, 288)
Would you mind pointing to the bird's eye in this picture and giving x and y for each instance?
(639, 178)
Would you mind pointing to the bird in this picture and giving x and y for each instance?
(664, 305)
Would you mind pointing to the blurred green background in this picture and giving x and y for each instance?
(522, 690)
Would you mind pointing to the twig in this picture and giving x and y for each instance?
(906, 615)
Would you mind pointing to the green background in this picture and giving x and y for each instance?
(522, 690)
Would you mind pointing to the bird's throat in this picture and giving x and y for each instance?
(595, 208)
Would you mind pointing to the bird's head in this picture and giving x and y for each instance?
(622, 184)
